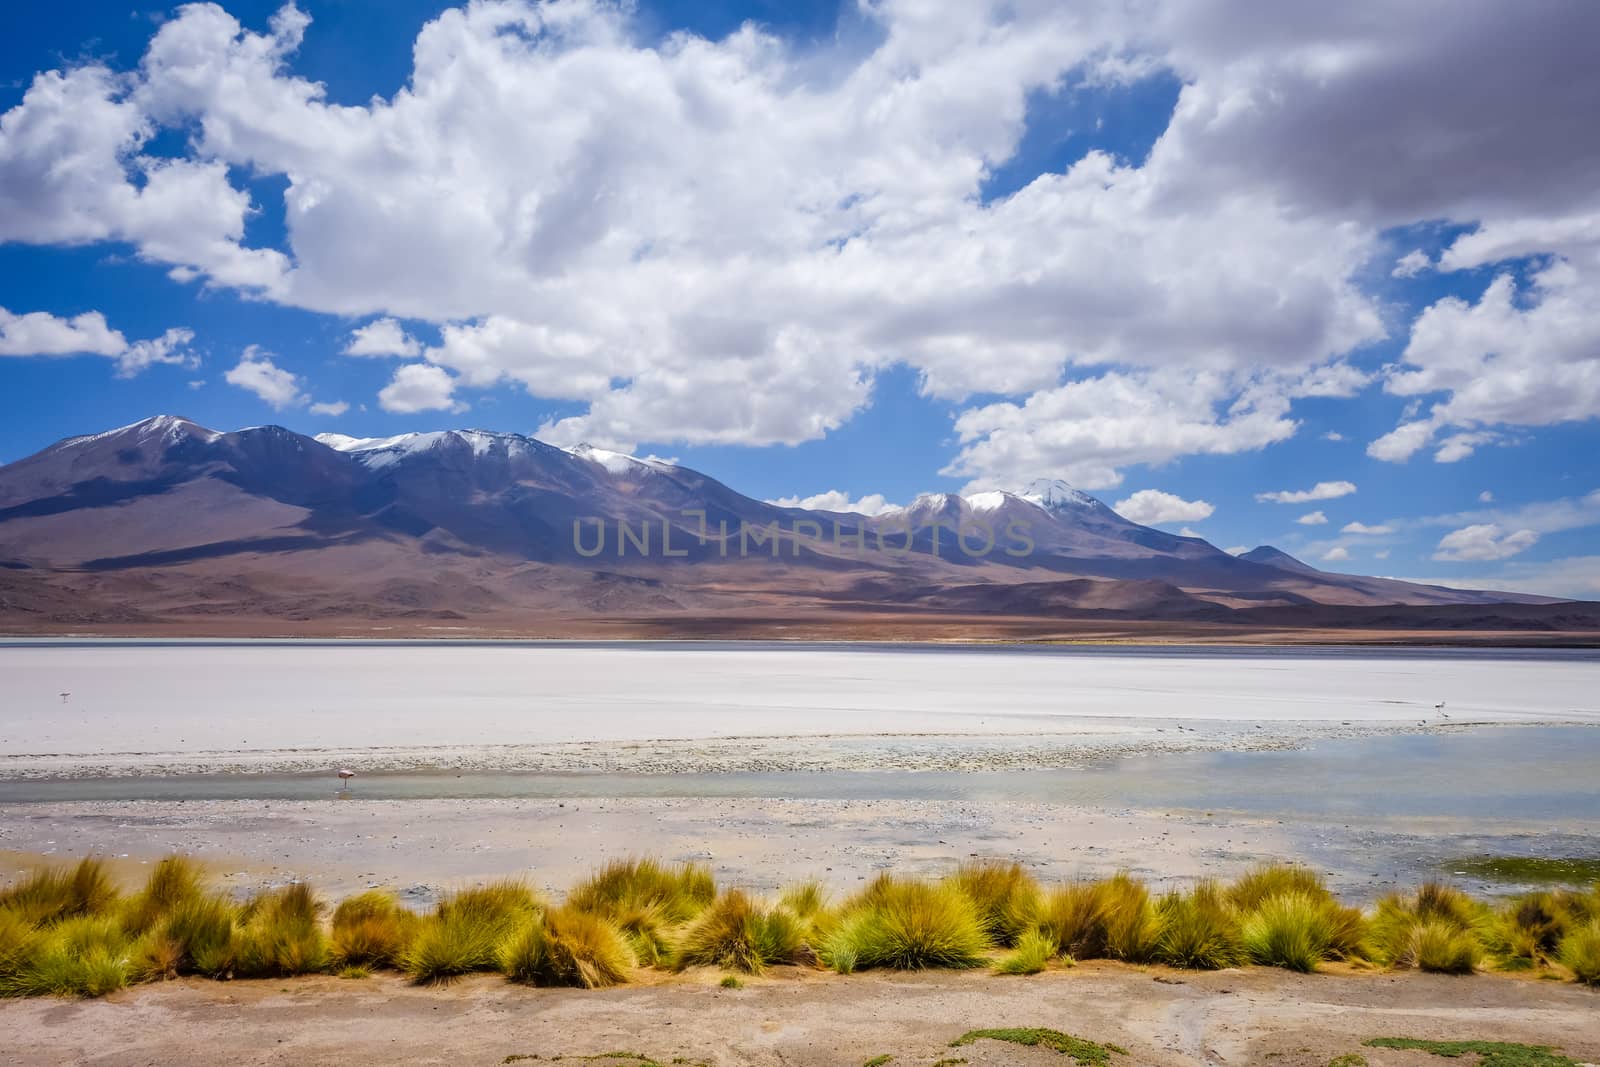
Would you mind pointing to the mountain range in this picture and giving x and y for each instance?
(166, 526)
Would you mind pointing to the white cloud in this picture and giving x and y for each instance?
(419, 387)
(38, 333)
(1336, 554)
(1542, 516)
(1484, 541)
(334, 407)
(1152, 506)
(382, 337)
(1486, 497)
(1315, 518)
(1320, 491)
(1333, 435)
(1364, 530)
(1237, 550)
(540, 190)
(1411, 264)
(256, 373)
(837, 500)
(1382, 553)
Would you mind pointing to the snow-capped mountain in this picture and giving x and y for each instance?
(169, 519)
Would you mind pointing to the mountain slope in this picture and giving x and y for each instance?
(167, 519)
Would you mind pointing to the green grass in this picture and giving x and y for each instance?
(1113, 919)
(1251, 890)
(466, 930)
(1030, 955)
(565, 947)
(1349, 1059)
(173, 881)
(85, 956)
(1580, 951)
(1292, 929)
(1199, 929)
(906, 925)
(371, 929)
(737, 933)
(280, 935)
(1528, 869)
(1491, 1053)
(51, 894)
(731, 981)
(1090, 1053)
(1439, 928)
(648, 901)
(1005, 896)
(878, 1061)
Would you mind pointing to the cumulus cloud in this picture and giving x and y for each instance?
(419, 387)
(1486, 497)
(1152, 506)
(258, 374)
(1364, 530)
(1411, 264)
(1320, 491)
(382, 337)
(332, 407)
(837, 500)
(1315, 518)
(539, 190)
(1336, 554)
(1333, 435)
(1484, 541)
(39, 333)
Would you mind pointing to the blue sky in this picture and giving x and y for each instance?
(868, 250)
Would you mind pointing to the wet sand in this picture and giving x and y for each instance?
(804, 1018)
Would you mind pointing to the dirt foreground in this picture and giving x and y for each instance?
(802, 1018)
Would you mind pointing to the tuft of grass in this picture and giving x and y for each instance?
(1349, 1059)
(805, 901)
(1090, 1053)
(676, 893)
(1491, 1053)
(1199, 929)
(174, 880)
(565, 947)
(1276, 879)
(1005, 896)
(83, 956)
(878, 1061)
(1030, 954)
(1436, 929)
(465, 932)
(1580, 951)
(280, 934)
(1291, 930)
(1113, 919)
(737, 933)
(731, 981)
(371, 929)
(907, 925)
(51, 894)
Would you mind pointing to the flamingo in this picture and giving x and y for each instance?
(64, 697)
(1439, 707)
(345, 774)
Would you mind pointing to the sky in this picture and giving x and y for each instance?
(1324, 276)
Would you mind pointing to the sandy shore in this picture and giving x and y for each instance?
(802, 1018)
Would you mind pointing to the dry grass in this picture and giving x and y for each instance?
(279, 935)
(647, 900)
(51, 894)
(565, 947)
(1580, 952)
(1031, 954)
(1199, 929)
(1006, 897)
(738, 933)
(371, 929)
(465, 932)
(1439, 928)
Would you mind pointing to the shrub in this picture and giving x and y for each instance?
(906, 925)
(1275, 879)
(371, 929)
(1525, 931)
(806, 900)
(1006, 897)
(737, 933)
(279, 935)
(565, 947)
(1580, 951)
(1291, 929)
(1199, 929)
(1132, 925)
(1031, 954)
(1073, 917)
(466, 930)
(51, 894)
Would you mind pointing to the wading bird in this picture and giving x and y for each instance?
(345, 774)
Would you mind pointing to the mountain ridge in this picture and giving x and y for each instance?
(168, 520)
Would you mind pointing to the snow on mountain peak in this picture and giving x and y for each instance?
(618, 462)
(1053, 493)
(171, 428)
